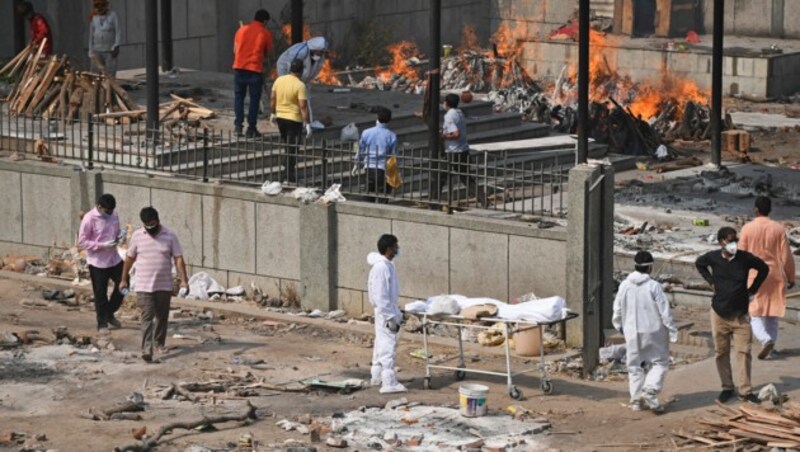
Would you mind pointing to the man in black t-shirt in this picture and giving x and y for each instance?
(727, 271)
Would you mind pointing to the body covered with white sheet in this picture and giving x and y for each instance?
(384, 292)
(642, 314)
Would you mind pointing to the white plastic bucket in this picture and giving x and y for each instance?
(472, 400)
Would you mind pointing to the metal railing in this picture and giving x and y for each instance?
(499, 181)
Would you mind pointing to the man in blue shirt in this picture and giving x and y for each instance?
(456, 148)
(376, 145)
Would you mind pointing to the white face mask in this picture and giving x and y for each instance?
(315, 58)
(731, 248)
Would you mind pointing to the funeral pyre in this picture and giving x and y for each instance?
(632, 117)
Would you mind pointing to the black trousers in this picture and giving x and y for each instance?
(376, 183)
(104, 306)
(291, 134)
(457, 166)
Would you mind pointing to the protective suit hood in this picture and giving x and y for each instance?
(373, 258)
(317, 43)
(638, 278)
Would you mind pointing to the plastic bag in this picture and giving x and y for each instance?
(201, 286)
(443, 305)
(271, 188)
(349, 132)
(306, 195)
(393, 178)
(332, 195)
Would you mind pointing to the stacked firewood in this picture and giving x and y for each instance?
(746, 426)
(51, 88)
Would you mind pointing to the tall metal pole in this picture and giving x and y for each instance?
(435, 59)
(583, 82)
(297, 21)
(19, 28)
(716, 82)
(151, 64)
(166, 35)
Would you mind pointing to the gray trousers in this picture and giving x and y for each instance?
(155, 315)
(108, 61)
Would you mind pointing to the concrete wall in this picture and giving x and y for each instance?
(203, 30)
(239, 235)
(773, 18)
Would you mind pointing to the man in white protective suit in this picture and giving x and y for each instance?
(311, 53)
(384, 290)
(642, 315)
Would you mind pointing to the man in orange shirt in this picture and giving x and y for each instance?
(767, 240)
(252, 44)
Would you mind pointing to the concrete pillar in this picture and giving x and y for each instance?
(85, 186)
(318, 257)
(590, 257)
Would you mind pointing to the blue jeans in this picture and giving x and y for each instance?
(244, 80)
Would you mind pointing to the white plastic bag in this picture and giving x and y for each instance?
(443, 305)
(201, 286)
(305, 195)
(349, 132)
(332, 194)
(272, 188)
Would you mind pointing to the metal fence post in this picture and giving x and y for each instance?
(205, 155)
(324, 164)
(90, 157)
(449, 183)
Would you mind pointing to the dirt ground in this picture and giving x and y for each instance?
(48, 390)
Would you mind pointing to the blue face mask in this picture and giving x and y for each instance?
(396, 251)
(103, 212)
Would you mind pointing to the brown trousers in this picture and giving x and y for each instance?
(736, 332)
(154, 306)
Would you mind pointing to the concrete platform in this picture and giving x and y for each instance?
(747, 69)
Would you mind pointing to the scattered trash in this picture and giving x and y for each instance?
(271, 188)
(332, 194)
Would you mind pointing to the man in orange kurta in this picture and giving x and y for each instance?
(767, 240)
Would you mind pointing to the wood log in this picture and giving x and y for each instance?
(47, 80)
(765, 431)
(17, 61)
(149, 444)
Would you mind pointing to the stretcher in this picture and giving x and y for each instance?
(509, 328)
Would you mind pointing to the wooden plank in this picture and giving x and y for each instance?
(762, 413)
(763, 439)
(122, 114)
(17, 60)
(627, 17)
(663, 17)
(26, 94)
(49, 97)
(725, 408)
(761, 430)
(123, 96)
(44, 86)
(783, 445)
(698, 439)
(66, 89)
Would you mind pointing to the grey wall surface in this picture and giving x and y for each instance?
(203, 30)
(239, 236)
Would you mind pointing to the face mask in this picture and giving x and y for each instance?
(397, 251)
(731, 248)
(152, 230)
(103, 213)
(315, 58)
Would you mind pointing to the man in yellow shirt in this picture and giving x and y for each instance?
(289, 108)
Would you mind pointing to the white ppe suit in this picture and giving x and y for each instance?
(302, 51)
(384, 291)
(642, 314)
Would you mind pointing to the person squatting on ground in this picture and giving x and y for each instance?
(767, 240)
(384, 291)
(99, 235)
(728, 270)
(376, 145)
(105, 37)
(153, 248)
(642, 315)
(40, 29)
(252, 44)
(289, 109)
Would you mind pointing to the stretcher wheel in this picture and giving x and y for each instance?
(460, 375)
(547, 387)
(514, 393)
(426, 383)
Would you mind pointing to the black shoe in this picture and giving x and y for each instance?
(764, 353)
(114, 322)
(253, 133)
(750, 398)
(147, 357)
(725, 395)
(238, 131)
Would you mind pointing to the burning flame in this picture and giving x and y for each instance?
(401, 52)
(647, 98)
(286, 32)
(327, 75)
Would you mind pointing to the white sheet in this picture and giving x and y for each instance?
(543, 310)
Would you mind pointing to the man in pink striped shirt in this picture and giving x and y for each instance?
(99, 235)
(154, 248)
